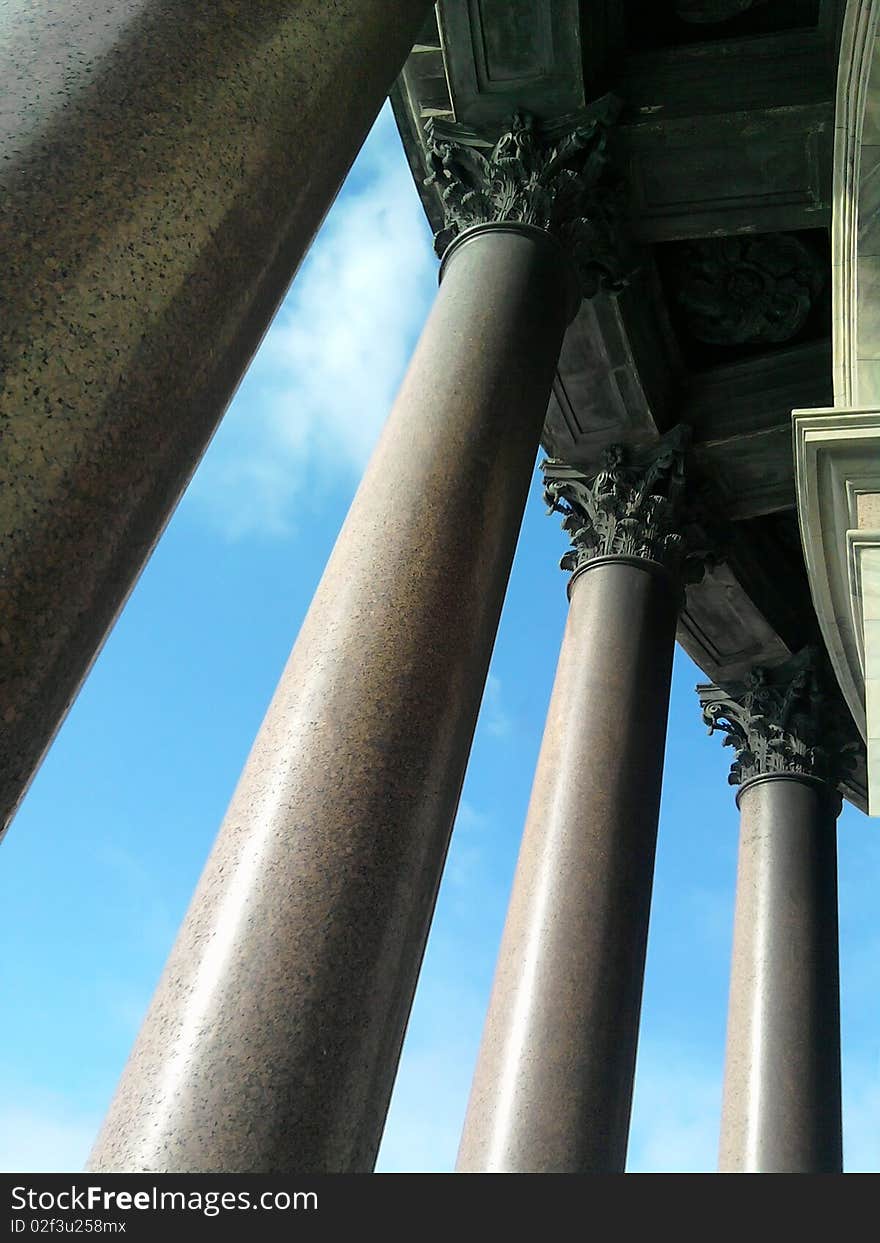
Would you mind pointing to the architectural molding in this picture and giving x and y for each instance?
(712, 11)
(836, 450)
(855, 83)
(747, 290)
(788, 720)
(552, 178)
(631, 505)
(530, 54)
(728, 136)
(836, 462)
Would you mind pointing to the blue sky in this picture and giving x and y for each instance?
(100, 864)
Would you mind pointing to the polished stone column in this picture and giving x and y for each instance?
(553, 1084)
(166, 165)
(781, 1110)
(273, 1040)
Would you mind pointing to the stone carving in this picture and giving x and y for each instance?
(747, 290)
(708, 11)
(789, 719)
(630, 506)
(554, 179)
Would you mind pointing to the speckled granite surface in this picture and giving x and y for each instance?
(553, 1085)
(165, 166)
(273, 1039)
(781, 1103)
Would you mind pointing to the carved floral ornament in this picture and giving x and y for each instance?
(631, 505)
(552, 178)
(789, 719)
(747, 290)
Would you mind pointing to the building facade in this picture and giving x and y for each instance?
(656, 241)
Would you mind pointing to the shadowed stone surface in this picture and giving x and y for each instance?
(167, 163)
(781, 1111)
(724, 155)
(793, 742)
(273, 1040)
(553, 1084)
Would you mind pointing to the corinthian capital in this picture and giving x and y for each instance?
(631, 505)
(548, 177)
(787, 720)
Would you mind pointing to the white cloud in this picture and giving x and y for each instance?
(433, 1082)
(861, 1116)
(676, 1111)
(496, 721)
(675, 1120)
(325, 376)
(468, 849)
(44, 1138)
(428, 1111)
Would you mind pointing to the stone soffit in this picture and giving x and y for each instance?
(720, 138)
(724, 138)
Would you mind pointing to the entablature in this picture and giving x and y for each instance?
(725, 132)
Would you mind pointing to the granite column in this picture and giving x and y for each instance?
(273, 1040)
(781, 1109)
(166, 165)
(553, 1083)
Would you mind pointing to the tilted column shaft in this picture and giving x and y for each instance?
(781, 1110)
(553, 1085)
(273, 1039)
(793, 740)
(166, 165)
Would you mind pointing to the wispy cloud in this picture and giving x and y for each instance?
(675, 1115)
(496, 720)
(861, 1115)
(44, 1137)
(675, 1122)
(431, 1092)
(321, 385)
(429, 1105)
(467, 853)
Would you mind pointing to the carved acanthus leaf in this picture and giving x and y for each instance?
(789, 719)
(555, 181)
(630, 506)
